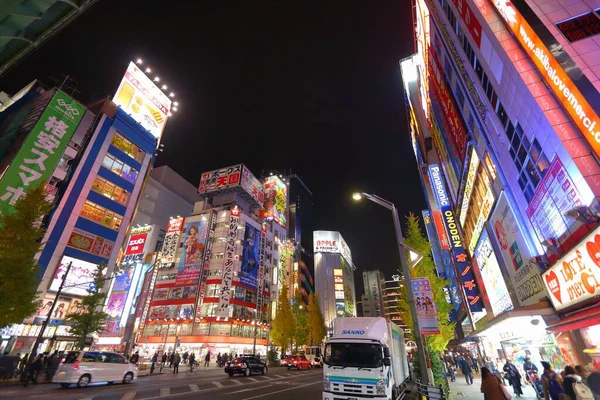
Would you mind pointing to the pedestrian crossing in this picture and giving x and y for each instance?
(202, 386)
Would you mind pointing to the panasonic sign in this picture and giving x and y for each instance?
(352, 332)
(438, 186)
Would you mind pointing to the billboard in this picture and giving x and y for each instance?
(207, 256)
(494, 287)
(524, 274)
(426, 310)
(250, 257)
(90, 243)
(139, 97)
(227, 277)
(194, 241)
(79, 279)
(136, 244)
(331, 242)
(169, 247)
(566, 91)
(41, 151)
(469, 183)
(230, 178)
(459, 254)
(575, 277)
(276, 200)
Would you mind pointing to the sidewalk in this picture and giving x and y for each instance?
(460, 389)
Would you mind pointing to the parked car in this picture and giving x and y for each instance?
(285, 361)
(300, 362)
(246, 365)
(83, 367)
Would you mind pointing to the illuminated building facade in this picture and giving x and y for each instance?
(506, 139)
(391, 299)
(334, 276)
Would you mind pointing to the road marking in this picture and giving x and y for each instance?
(280, 376)
(235, 381)
(194, 388)
(218, 384)
(252, 379)
(250, 389)
(86, 398)
(281, 391)
(268, 378)
(165, 391)
(128, 396)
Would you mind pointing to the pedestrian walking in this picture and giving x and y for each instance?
(219, 360)
(192, 359)
(450, 371)
(491, 386)
(466, 370)
(185, 357)
(551, 382)
(153, 360)
(574, 387)
(514, 377)
(33, 370)
(164, 360)
(207, 359)
(593, 381)
(475, 364)
(176, 361)
(135, 357)
(171, 359)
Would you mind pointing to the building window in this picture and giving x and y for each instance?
(101, 215)
(120, 168)
(580, 27)
(128, 148)
(110, 190)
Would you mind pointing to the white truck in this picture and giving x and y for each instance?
(364, 359)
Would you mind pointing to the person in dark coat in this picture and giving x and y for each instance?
(171, 359)
(153, 361)
(135, 358)
(164, 359)
(467, 372)
(192, 360)
(514, 377)
(176, 361)
(34, 369)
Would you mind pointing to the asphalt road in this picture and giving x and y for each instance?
(210, 384)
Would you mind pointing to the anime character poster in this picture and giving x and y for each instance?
(171, 312)
(250, 258)
(160, 294)
(194, 242)
(123, 279)
(186, 311)
(157, 312)
(175, 293)
(116, 303)
(426, 310)
(189, 292)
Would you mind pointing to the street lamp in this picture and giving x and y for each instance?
(406, 272)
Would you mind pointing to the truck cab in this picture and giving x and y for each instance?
(365, 358)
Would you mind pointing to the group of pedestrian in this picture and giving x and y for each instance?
(30, 367)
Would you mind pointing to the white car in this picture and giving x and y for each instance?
(83, 367)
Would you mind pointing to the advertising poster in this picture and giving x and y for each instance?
(275, 205)
(252, 186)
(250, 258)
(524, 274)
(194, 241)
(116, 303)
(426, 310)
(169, 247)
(484, 260)
(157, 312)
(171, 312)
(123, 279)
(189, 292)
(139, 97)
(78, 280)
(220, 179)
(206, 265)
(175, 293)
(160, 294)
(186, 311)
(136, 244)
(41, 151)
(227, 278)
(576, 276)
(261, 281)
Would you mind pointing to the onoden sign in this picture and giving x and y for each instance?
(565, 90)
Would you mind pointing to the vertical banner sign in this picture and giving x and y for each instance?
(459, 254)
(524, 274)
(169, 247)
(227, 278)
(250, 258)
(207, 255)
(146, 299)
(435, 248)
(261, 280)
(426, 310)
(41, 151)
(193, 249)
(468, 17)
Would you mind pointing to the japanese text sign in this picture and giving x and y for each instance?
(207, 256)
(169, 247)
(228, 267)
(220, 179)
(41, 151)
(576, 276)
(136, 244)
(468, 17)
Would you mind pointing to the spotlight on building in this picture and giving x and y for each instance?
(139, 61)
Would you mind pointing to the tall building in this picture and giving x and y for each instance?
(391, 299)
(334, 276)
(373, 301)
(214, 286)
(502, 106)
(96, 162)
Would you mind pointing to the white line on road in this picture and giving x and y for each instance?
(218, 384)
(86, 398)
(165, 392)
(235, 381)
(280, 376)
(268, 378)
(252, 379)
(280, 391)
(128, 396)
(248, 390)
(194, 388)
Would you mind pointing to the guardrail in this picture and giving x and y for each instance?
(430, 392)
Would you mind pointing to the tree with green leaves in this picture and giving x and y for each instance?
(301, 335)
(92, 320)
(316, 321)
(283, 326)
(20, 240)
(426, 269)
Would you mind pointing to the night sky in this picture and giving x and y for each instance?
(311, 86)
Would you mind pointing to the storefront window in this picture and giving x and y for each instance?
(220, 329)
(208, 310)
(185, 329)
(110, 190)
(101, 215)
(120, 168)
(213, 290)
(591, 339)
(128, 148)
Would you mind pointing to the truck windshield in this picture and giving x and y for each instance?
(363, 355)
